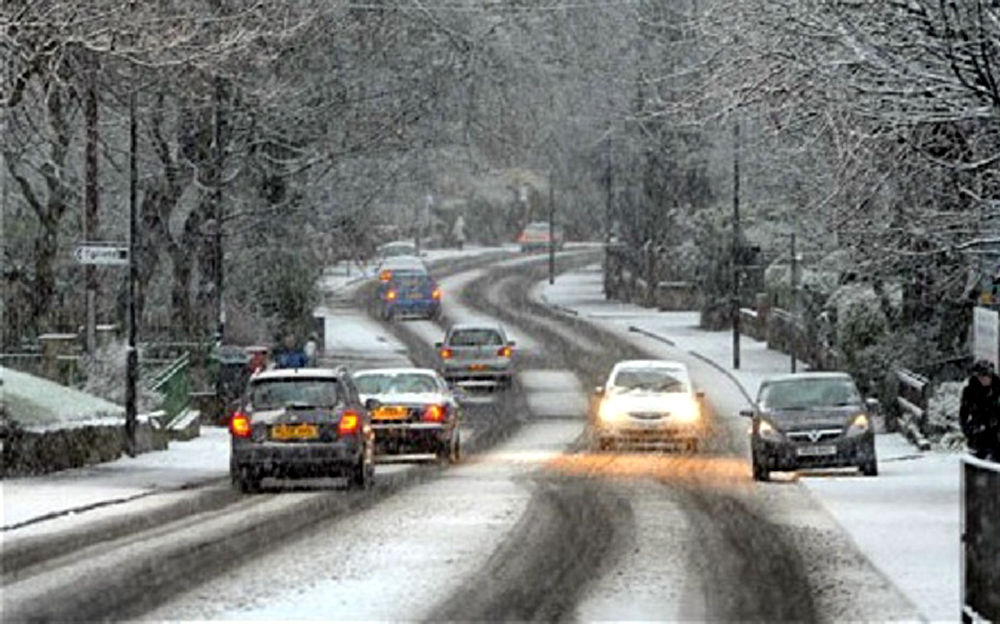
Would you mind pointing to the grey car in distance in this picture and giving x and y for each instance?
(811, 420)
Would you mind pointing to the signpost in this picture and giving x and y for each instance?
(109, 254)
(986, 335)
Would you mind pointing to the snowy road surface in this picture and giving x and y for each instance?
(539, 526)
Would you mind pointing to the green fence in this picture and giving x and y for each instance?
(173, 382)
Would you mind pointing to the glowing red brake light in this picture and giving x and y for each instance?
(239, 425)
(434, 413)
(436, 294)
(445, 353)
(505, 352)
(390, 295)
(349, 423)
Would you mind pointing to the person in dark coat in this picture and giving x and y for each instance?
(979, 414)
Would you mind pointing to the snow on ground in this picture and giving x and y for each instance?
(906, 521)
(201, 459)
(39, 404)
(401, 573)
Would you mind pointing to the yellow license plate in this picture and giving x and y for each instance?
(391, 412)
(303, 431)
(477, 366)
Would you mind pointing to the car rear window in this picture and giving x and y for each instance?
(413, 282)
(809, 393)
(652, 379)
(278, 393)
(382, 383)
(475, 337)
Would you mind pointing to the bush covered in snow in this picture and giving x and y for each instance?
(105, 373)
(942, 415)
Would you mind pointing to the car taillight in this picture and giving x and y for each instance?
(434, 413)
(390, 295)
(239, 425)
(445, 353)
(505, 352)
(436, 294)
(349, 423)
(385, 275)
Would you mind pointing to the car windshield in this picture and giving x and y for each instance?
(809, 393)
(269, 394)
(650, 379)
(386, 383)
(475, 337)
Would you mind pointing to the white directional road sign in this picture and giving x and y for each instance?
(101, 254)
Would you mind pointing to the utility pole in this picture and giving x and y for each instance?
(132, 362)
(795, 302)
(607, 220)
(736, 245)
(552, 229)
(90, 194)
(219, 162)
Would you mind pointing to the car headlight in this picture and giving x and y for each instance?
(859, 425)
(687, 412)
(608, 412)
(768, 431)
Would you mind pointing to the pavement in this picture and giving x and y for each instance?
(906, 521)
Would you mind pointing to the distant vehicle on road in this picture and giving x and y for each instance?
(306, 422)
(477, 356)
(415, 412)
(397, 248)
(647, 403)
(535, 237)
(409, 294)
(811, 420)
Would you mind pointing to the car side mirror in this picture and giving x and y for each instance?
(700, 395)
(511, 343)
(372, 404)
(872, 403)
(599, 390)
(438, 345)
(746, 413)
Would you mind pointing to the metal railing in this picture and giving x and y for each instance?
(173, 382)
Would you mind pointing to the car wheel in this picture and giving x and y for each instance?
(760, 471)
(869, 468)
(456, 448)
(362, 475)
(247, 482)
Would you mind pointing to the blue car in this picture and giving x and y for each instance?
(409, 294)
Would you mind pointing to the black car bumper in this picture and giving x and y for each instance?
(301, 459)
(838, 453)
(398, 439)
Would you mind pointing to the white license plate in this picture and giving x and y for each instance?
(813, 451)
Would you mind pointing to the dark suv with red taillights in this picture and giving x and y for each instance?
(811, 420)
(307, 422)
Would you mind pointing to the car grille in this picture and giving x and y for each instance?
(814, 436)
(648, 415)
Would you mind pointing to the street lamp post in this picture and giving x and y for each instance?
(552, 229)
(736, 245)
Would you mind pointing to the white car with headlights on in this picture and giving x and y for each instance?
(648, 403)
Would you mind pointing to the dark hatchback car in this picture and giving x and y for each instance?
(811, 420)
(307, 422)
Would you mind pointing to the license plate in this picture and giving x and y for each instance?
(303, 431)
(813, 451)
(477, 367)
(391, 412)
